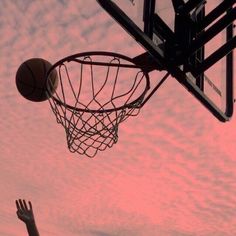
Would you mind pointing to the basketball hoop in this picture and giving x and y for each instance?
(96, 92)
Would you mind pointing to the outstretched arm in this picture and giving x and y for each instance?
(25, 214)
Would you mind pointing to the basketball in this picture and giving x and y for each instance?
(31, 80)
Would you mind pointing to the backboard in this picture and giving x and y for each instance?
(193, 40)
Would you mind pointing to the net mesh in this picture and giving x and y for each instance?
(96, 92)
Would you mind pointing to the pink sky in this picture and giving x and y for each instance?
(172, 172)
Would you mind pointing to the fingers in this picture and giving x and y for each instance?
(19, 210)
(31, 208)
(24, 211)
(17, 205)
(22, 206)
(25, 206)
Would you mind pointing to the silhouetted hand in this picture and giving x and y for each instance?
(24, 212)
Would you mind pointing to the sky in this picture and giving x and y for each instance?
(172, 172)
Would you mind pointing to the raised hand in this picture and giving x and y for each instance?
(24, 212)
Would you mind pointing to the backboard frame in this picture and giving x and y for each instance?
(167, 63)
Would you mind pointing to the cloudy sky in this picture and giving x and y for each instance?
(172, 173)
